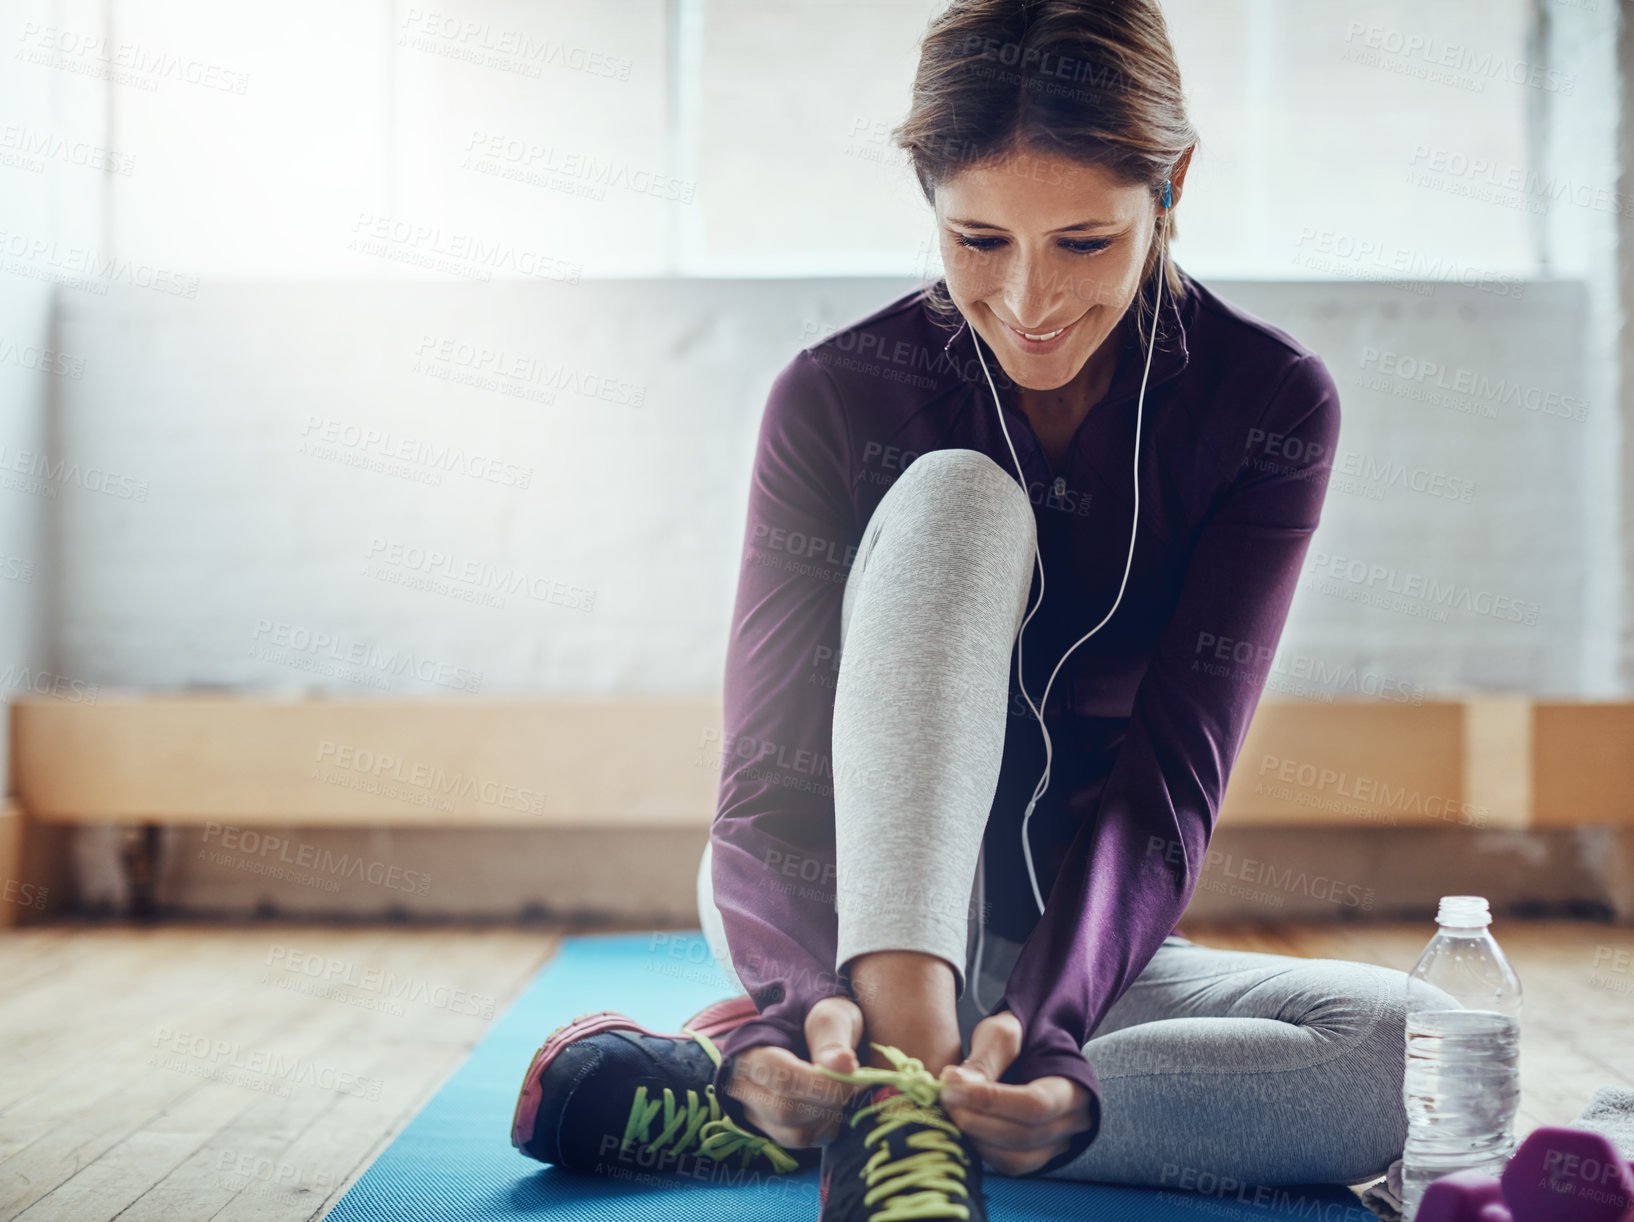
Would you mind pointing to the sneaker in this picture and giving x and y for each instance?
(604, 1092)
(898, 1154)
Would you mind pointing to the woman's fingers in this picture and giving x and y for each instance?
(1036, 1102)
(833, 1030)
(1000, 1132)
(994, 1044)
(786, 1098)
(1017, 1128)
(792, 1101)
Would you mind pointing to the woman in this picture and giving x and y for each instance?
(959, 852)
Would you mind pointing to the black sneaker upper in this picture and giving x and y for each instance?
(895, 1158)
(624, 1100)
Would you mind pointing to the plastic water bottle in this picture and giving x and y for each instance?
(1462, 1084)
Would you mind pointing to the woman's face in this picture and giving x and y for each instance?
(1037, 246)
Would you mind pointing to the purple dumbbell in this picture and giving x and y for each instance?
(1568, 1175)
(1464, 1196)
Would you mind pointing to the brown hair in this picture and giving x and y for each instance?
(1092, 81)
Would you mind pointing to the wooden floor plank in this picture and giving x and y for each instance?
(171, 1088)
(96, 1114)
(176, 994)
(273, 1163)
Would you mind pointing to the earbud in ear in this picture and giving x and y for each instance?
(1168, 194)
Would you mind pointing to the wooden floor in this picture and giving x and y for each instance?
(184, 1073)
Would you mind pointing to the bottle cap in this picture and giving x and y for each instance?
(1463, 912)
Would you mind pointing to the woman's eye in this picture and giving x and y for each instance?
(1078, 246)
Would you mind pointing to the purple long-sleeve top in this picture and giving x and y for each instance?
(1147, 717)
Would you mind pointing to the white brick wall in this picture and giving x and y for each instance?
(205, 406)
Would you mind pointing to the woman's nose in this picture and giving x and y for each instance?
(1032, 293)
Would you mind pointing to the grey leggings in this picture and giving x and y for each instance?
(1215, 1066)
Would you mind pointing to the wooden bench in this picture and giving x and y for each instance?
(1485, 761)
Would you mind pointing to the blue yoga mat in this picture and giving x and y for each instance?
(454, 1162)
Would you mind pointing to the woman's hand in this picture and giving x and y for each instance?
(1015, 1128)
(790, 1100)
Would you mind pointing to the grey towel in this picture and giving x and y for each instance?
(1383, 1197)
(1610, 1111)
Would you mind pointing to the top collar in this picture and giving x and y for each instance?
(1169, 358)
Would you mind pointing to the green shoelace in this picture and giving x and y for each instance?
(919, 1185)
(699, 1121)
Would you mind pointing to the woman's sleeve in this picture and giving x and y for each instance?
(772, 840)
(1131, 869)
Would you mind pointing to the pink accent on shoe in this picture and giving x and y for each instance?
(723, 1016)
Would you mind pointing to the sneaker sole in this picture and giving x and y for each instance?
(712, 1021)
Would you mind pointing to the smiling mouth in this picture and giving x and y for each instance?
(1042, 336)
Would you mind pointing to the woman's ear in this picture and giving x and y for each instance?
(1178, 178)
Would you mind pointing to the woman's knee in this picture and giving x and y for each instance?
(1380, 1068)
(1375, 1115)
(976, 483)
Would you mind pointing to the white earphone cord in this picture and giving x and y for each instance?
(1044, 778)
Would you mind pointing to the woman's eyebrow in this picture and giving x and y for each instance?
(1086, 225)
(971, 224)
